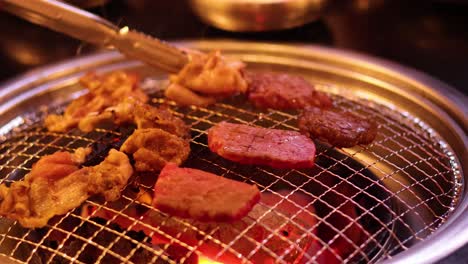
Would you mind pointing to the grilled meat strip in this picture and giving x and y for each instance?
(340, 129)
(284, 91)
(56, 185)
(202, 196)
(103, 92)
(263, 146)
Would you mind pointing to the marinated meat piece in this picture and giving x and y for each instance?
(109, 177)
(146, 116)
(55, 186)
(263, 146)
(284, 91)
(16, 201)
(142, 115)
(114, 86)
(265, 224)
(103, 92)
(153, 148)
(340, 129)
(185, 96)
(206, 77)
(94, 120)
(80, 155)
(202, 196)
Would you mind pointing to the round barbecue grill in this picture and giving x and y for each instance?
(406, 190)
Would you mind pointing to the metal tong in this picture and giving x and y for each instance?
(88, 27)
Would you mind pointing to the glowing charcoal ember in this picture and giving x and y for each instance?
(286, 238)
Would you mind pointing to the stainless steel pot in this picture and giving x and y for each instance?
(258, 15)
(415, 197)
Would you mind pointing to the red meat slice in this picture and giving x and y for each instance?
(203, 196)
(284, 91)
(340, 129)
(262, 146)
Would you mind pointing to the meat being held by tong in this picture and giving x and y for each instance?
(206, 78)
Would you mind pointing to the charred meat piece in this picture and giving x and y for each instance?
(270, 226)
(202, 196)
(263, 146)
(284, 91)
(103, 92)
(153, 148)
(55, 186)
(113, 139)
(146, 116)
(206, 78)
(132, 111)
(340, 129)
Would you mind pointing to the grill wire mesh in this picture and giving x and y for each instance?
(401, 188)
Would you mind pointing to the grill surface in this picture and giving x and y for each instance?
(403, 187)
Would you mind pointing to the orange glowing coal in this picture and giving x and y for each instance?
(205, 260)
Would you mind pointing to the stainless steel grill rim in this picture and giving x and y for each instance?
(360, 106)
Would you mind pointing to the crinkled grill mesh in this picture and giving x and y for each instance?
(401, 188)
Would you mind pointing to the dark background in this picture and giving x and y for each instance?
(430, 36)
(427, 35)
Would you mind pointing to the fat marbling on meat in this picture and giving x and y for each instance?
(262, 146)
